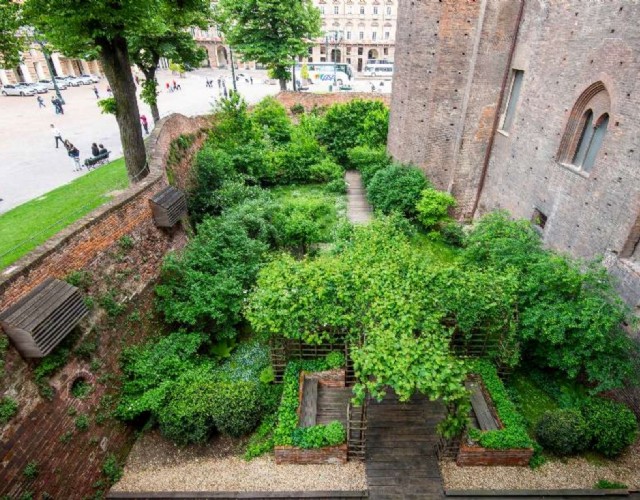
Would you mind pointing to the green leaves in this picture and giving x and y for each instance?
(11, 43)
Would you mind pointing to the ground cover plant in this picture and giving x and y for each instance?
(31, 224)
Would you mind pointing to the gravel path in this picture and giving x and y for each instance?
(555, 474)
(155, 464)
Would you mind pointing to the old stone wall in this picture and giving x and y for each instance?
(309, 100)
(116, 251)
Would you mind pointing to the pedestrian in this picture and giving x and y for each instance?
(95, 150)
(54, 100)
(168, 88)
(59, 107)
(137, 80)
(57, 135)
(174, 85)
(251, 79)
(74, 154)
(145, 123)
(40, 102)
(219, 83)
(95, 91)
(179, 87)
(109, 93)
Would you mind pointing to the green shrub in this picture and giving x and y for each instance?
(603, 484)
(611, 426)
(111, 469)
(8, 409)
(562, 432)
(336, 186)
(291, 163)
(356, 123)
(368, 161)
(297, 109)
(232, 193)
(299, 223)
(325, 171)
(31, 471)
(334, 433)
(80, 279)
(82, 422)
(81, 389)
(335, 359)
(396, 189)
(452, 234)
(514, 433)
(237, 407)
(271, 117)
(433, 207)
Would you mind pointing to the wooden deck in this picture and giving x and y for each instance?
(332, 404)
(400, 459)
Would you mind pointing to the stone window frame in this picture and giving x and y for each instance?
(590, 111)
(511, 101)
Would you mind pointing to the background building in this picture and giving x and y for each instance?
(367, 30)
(532, 106)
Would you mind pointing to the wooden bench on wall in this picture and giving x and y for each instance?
(41, 320)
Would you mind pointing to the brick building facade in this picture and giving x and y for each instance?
(531, 106)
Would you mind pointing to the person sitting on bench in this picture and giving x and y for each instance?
(95, 151)
(102, 150)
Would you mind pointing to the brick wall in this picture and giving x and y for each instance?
(309, 100)
(326, 455)
(472, 456)
(70, 460)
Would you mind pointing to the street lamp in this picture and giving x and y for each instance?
(47, 57)
(335, 36)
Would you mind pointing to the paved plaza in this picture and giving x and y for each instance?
(30, 164)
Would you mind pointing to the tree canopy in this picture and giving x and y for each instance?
(103, 28)
(271, 32)
(10, 44)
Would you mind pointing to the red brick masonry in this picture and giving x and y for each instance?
(470, 456)
(326, 455)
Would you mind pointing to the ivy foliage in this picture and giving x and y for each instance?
(287, 432)
(514, 433)
(569, 316)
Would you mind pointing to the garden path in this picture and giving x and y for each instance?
(401, 461)
(358, 208)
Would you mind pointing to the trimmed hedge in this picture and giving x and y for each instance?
(514, 433)
(562, 431)
(287, 432)
(611, 426)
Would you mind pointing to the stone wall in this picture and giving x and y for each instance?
(309, 100)
(118, 274)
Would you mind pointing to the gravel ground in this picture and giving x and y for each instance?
(555, 474)
(155, 464)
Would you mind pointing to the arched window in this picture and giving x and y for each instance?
(586, 129)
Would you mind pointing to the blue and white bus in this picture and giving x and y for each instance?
(323, 73)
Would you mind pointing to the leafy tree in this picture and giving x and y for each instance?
(271, 32)
(175, 44)
(271, 117)
(11, 44)
(103, 28)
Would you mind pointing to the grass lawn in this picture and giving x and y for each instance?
(31, 224)
(532, 401)
(438, 251)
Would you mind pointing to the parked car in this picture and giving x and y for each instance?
(88, 79)
(71, 81)
(49, 84)
(18, 90)
(38, 87)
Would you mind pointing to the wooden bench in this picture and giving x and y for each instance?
(486, 420)
(309, 403)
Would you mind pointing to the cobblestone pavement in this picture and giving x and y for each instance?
(30, 165)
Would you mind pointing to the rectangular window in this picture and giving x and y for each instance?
(323, 49)
(387, 35)
(375, 10)
(361, 35)
(310, 59)
(310, 51)
(385, 51)
(322, 10)
(348, 51)
(360, 51)
(349, 9)
(348, 35)
(374, 36)
(348, 60)
(362, 11)
(336, 9)
(323, 59)
(514, 95)
(388, 11)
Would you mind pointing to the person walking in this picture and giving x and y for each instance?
(145, 124)
(54, 99)
(95, 91)
(251, 78)
(74, 154)
(40, 102)
(56, 135)
(58, 105)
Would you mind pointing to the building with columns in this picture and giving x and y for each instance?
(34, 67)
(366, 28)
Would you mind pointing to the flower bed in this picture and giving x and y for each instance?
(317, 444)
(510, 445)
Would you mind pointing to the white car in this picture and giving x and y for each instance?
(89, 79)
(18, 90)
(38, 87)
(49, 84)
(70, 81)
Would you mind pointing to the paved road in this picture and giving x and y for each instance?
(30, 165)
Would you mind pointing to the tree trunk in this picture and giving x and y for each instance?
(150, 74)
(117, 68)
(283, 84)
